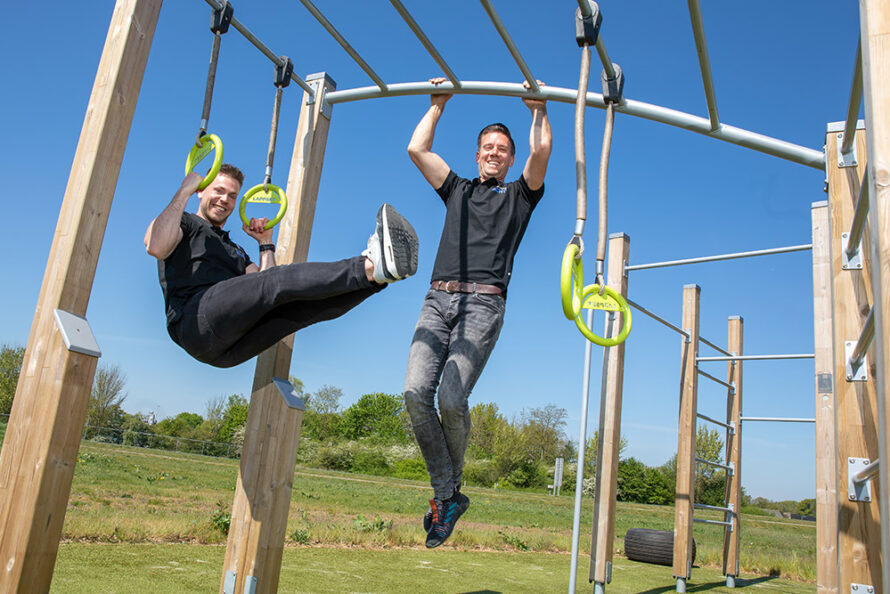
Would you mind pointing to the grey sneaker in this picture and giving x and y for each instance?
(463, 503)
(392, 248)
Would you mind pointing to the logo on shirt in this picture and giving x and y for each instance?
(500, 189)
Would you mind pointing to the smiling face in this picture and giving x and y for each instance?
(494, 156)
(218, 200)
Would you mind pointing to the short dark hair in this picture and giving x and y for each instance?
(233, 172)
(496, 127)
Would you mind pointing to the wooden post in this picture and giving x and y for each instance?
(733, 450)
(856, 403)
(826, 445)
(49, 409)
(265, 475)
(685, 499)
(610, 425)
(875, 32)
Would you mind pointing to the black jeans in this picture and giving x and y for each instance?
(237, 319)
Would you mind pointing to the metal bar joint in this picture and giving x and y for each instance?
(587, 26)
(859, 474)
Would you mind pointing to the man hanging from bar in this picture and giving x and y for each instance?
(224, 309)
(463, 312)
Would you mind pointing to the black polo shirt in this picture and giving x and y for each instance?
(204, 256)
(484, 223)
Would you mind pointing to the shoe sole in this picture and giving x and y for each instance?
(398, 243)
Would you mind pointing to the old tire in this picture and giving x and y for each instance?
(651, 546)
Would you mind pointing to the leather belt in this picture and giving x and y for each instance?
(461, 287)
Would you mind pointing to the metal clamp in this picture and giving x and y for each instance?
(860, 373)
(848, 159)
(221, 18)
(283, 72)
(613, 88)
(861, 589)
(587, 28)
(857, 490)
(854, 261)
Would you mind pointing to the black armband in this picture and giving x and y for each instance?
(267, 247)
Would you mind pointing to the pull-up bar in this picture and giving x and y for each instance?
(658, 319)
(767, 252)
(508, 41)
(730, 386)
(757, 357)
(424, 40)
(853, 107)
(727, 467)
(217, 5)
(859, 216)
(704, 62)
(715, 421)
(778, 419)
(857, 357)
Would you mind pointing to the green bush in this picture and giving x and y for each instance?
(412, 468)
(336, 457)
(481, 473)
(370, 462)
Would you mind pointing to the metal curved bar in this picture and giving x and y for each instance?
(508, 41)
(752, 140)
(704, 61)
(425, 41)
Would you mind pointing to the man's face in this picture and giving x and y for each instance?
(218, 200)
(493, 156)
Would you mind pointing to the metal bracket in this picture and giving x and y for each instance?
(229, 582)
(76, 333)
(587, 29)
(221, 18)
(860, 374)
(283, 72)
(732, 427)
(250, 584)
(613, 88)
(849, 159)
(857, 491)
(322, 80)
(608, 572)
(853, 262)
(861, 589)
(288, 393)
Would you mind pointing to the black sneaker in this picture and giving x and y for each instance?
(462, 500)
(392, 248)
(445, 516)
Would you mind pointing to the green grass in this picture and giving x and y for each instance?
(169, 505)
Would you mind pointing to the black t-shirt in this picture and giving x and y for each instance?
(204, 256)
(484, 223)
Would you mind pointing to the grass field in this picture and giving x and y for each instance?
(158, 517)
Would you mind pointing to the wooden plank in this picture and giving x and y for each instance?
(826, 446)
(856, 403)
(733, 448)
(603, 536)
(265, 476)
(875, 32)
(685, 498)
(43, 436)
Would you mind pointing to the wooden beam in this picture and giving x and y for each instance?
(608, 447)
(49, 409)
(875, 40)
(733, 449)
(685, 498)
(826, 444)
(265, 475)
(856, 403)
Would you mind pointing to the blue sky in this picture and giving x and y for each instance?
(677, 194)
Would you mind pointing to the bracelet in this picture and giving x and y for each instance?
(267, 247)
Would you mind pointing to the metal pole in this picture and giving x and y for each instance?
(344, 44)
(865, 339)
(731, 134)
(715, 347)
(424, 40)
(717, 522)
(867, 473)
(713, 507)
(216, 4)
(726, 467)
(767, 252)
(582, 444)
(859, 217)
(704, 62)
(757, 357)
(719, 381)
(778, 419)
(855, 102)
(639, 307)
(715, 421)
(517, 57)
(604, 57)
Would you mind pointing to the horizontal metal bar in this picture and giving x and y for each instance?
(704, 62)
(714, 379)
(726, 467)
(714, 346)
(424, 40)
(859, 217)
(853, 106)
(656, 318)
(727, 510)
(757, 357)
(703, 521)
(778, 419)
(344, 44)
(865, 339)
(508, 41)
(216, 5)
(738, 136)
(870, 471)
(715, 421)
(767, 252)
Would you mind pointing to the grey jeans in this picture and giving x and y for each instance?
(239, 318)
(454, 336)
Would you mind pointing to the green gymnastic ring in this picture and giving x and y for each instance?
(264, 194)
(571, 282)
(610, 301)
(209, 142)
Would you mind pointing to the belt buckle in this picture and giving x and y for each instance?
(452, 286)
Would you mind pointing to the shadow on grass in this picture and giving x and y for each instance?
(483, 592)
(739, 582)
